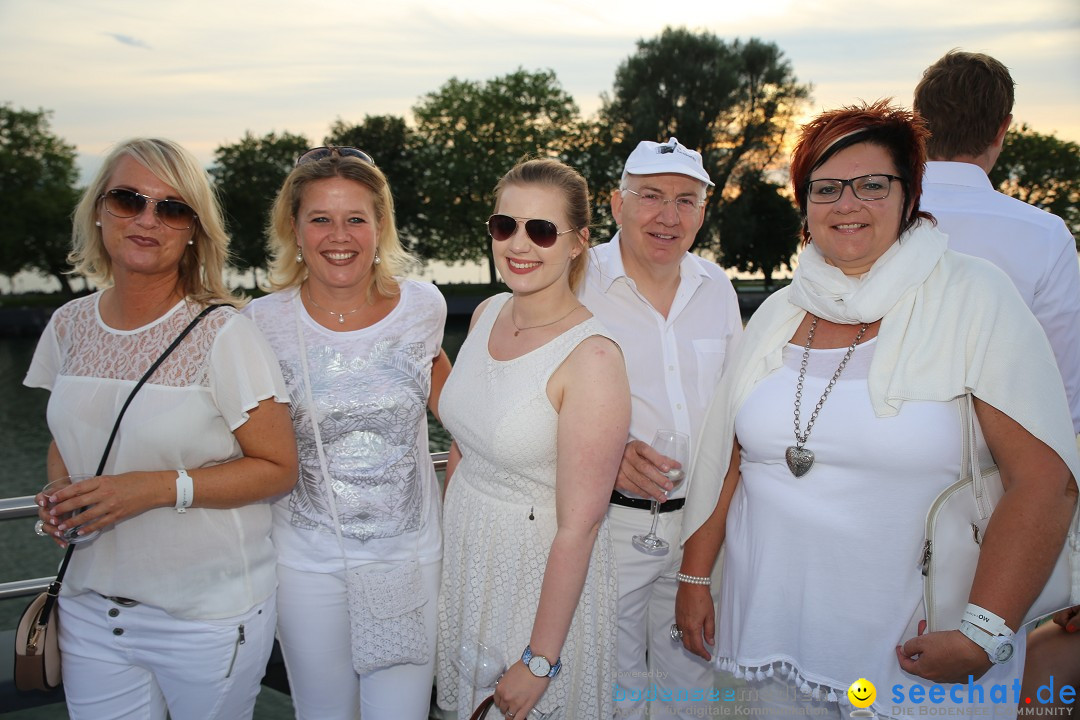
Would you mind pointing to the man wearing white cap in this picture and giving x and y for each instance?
(674, 315)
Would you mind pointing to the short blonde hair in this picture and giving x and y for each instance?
(286, 272)
(575, 191)
(203, 263)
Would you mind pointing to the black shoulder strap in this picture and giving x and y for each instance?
(54, 588)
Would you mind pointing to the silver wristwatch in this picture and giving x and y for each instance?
(539, 665)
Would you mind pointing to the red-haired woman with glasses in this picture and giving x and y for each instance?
(540, 407)
(359, 539)
(836, 425)
(170, 609)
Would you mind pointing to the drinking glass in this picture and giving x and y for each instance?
(71, 534)
(483, 666)
(675, 445)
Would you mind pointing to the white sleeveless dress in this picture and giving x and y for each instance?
(499, 523)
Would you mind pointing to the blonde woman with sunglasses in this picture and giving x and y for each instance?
(170, 608)
(358, 538)
(539, 405)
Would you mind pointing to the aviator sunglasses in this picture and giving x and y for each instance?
(327, 150)
(123, 203)
(543, 233)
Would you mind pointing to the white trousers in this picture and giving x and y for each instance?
(651, 666)
(313, 627)
(138, 662)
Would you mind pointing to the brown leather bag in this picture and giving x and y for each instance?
(37, 651)
(481, 710)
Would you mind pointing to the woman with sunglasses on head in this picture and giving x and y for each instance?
(359, 541)
(171, 608)
(528, 571)
(873, 350)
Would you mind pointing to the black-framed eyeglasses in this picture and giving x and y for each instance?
(654, 201)
(864, 187)
(543, 233)
(124, 203)
(327, 150)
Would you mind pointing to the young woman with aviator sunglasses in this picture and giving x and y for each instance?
(528, 570)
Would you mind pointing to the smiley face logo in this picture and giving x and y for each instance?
(862, 693)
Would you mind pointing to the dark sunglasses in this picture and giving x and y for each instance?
(543, 233)
(123, 203)
(327, 150)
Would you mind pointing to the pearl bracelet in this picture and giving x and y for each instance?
(693, 579)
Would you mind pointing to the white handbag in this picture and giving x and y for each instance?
(955, 528)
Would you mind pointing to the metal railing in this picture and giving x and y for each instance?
(14, 508)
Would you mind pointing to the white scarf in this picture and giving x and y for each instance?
(824, 290)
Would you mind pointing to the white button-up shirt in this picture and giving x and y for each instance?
(673, 362)
(1032, 246)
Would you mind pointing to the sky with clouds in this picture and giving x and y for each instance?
(205, 72)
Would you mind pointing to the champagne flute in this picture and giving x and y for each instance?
(70, 535)
(675, 445)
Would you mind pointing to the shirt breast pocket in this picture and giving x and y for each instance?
(710, 354)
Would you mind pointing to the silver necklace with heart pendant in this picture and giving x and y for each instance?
(799, 459)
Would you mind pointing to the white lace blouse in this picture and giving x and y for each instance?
(203, 564)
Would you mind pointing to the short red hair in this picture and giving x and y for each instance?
(899, 132)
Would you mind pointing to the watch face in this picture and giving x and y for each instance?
(1004, 652)
(540, 667)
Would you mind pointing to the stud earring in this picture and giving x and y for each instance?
(98, 223)
(191, 242)
(299, 256)
(377, 258)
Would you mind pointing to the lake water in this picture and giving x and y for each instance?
(25, 440)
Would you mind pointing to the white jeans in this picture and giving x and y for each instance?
(651, 666)
(139, 662)
(313, 627)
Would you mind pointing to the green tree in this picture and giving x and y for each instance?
(759, 228)
(393, 145)
(248, 175)
(733, 102)
(590, 151)
(37, 195)
(470, 134)
(1041, 170)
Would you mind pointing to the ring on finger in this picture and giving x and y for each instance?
(676, 633)
(39, 528)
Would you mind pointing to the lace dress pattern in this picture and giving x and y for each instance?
(499, 523)
(90, 350)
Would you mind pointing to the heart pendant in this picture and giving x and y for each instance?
(799, 460)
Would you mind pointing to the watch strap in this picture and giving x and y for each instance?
(989, 643)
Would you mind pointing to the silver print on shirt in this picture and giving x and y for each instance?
(369, 410)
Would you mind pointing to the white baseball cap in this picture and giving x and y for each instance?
(651, 158)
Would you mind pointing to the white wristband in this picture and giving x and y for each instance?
(984, 619)
(185, 490)
(693, 579)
